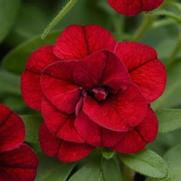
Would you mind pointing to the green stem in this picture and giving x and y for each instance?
(175, 52)
(128, 174)
(146, 24)
(59, 17)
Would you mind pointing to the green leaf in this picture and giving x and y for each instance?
(9, 83)
(171, 97)
(15, 61)
(169, 14)
(147, 163)
(174, 162)
(91, 171)
(111, 170)
(169, 119)
(52, 169)
(32, 125)
(8, 12)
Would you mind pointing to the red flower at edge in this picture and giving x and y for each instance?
(17, 160)
(134, 7)
(93, 91)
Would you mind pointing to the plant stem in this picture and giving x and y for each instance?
(146, 24)
(128, 174)
(175, 51)
(59, 17)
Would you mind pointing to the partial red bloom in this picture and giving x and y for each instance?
(90, 88)
(134, 7)
(63, 150)
(17, 160)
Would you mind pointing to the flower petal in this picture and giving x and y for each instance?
(65, 151)
(119, 113)
(136, 139)
(12, 131)
(72, 152)
(58, 87)
(30, 80)
(90, 131)
(144, 67)
(77, 41)
(149, 127)
(19, 164)
(151, 79)
(151, 4)
(101, 68)
(60, 124)
(48, 143)
(128, 8)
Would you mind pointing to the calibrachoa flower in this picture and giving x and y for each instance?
(93, 91)
(17, 160)
(134, 7)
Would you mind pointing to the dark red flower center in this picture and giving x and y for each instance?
(99, 93)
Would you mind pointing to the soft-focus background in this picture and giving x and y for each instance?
(23, 21)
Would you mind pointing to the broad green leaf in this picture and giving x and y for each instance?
(169, 119)
(111, 170)
(15, 61)
(90, 171)
(8, 12)
(147, 163)
(32, 125)
(52, 169)
(173, 159)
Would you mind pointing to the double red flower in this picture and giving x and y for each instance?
(18, 162)
(134, 7)
(93, 91)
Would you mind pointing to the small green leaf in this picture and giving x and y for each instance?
(8, 12)
(32, 125)
(169, 119)
(15, 61)
(89, 172)
(111, 170)
(52, 169)
(174, 162)
(147, 163)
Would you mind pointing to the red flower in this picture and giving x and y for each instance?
(93, 90)
(134, 7)
(17, 160)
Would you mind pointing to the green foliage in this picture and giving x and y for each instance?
(51, 169)
(147, 163)
(8, 12)
(169, 119)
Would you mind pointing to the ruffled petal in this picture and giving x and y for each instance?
(19, 164)
(148, 129)
(151, 79)
(31, 90)
(119, 113)
(60, 124)
(12, 131)
(77, 41)
(144, 67)
(136, 139)
(128, 8)
(58, 86)
(151, 4)
(101, 68)
(30, 79)
(90, 131)
(131, 142)
(65, 151)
